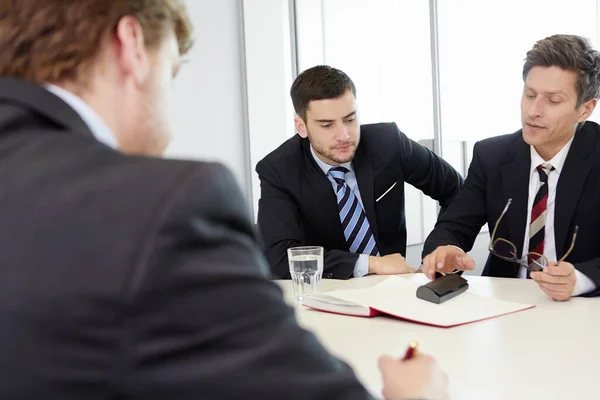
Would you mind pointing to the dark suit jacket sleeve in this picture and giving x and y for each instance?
(426, 171)
(463, 219)
(203, 320)
(279, 223)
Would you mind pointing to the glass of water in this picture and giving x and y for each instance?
(306, 268)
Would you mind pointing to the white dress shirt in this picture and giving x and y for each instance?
(583, 283)
(99, 129)
(361, 268)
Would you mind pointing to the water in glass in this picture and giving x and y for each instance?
(306, 271)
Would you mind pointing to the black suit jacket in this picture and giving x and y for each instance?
(135, 278)
(298, 205)
(499, 171)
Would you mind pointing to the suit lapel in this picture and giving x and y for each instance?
(364, 176)
(570, 184)
(323, 196)
(515, 182)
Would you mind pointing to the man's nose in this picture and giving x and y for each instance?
(536, 108)
(342, 133)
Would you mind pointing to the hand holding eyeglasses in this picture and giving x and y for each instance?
(557, 280)
(506, 250)
(446, 259)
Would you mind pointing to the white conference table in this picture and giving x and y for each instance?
(549, 352)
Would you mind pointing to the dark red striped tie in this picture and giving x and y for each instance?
(538, 215)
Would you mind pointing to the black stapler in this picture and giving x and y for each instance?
(442, 288)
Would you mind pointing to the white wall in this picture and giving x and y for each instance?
(209, 115)
(268, 60)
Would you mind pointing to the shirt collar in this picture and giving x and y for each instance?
(558, 161)
(326, 167)
(99, 129)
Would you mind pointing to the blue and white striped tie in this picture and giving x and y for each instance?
(357, 231)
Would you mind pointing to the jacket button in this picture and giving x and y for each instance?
(328, 275)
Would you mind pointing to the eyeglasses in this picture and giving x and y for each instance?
(506, 250)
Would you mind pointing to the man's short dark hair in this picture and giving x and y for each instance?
(319, 83)
(571, 53)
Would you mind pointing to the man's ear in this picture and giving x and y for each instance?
(132, 54)
(586, 109)
(300, 127)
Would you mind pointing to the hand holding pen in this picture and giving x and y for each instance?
(415, 376)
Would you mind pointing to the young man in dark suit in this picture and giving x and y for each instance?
(123, 275)
(537, 188)
(340, 185)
